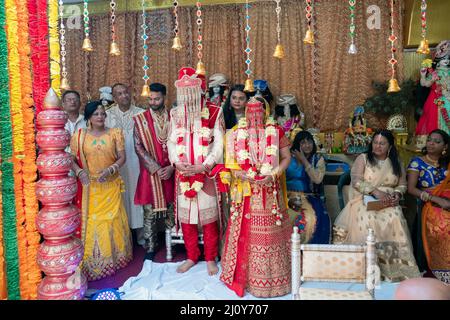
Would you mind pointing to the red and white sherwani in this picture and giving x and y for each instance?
(204, 208)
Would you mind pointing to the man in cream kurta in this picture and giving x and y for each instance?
(120, 115)
(195, 147)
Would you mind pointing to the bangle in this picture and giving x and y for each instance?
(425, 196)
(111, 170)
(79, 172)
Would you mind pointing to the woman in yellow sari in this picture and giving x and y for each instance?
(377, 175)
(98, 154)
(429, 181)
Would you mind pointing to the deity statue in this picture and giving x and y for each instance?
(357, 136)
(262, 90)
(436, 74)
(288, 115)
(218, 89)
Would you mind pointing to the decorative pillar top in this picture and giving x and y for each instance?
(51, 100)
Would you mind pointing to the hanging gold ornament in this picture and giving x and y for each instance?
(87, 45)
(176, 40)
(114, 49)
(177, 43)
(145, 91)
(423, 47)
(64, 84)
(249, 85)
(393, 86)
(200, 68)
(309, 37)
(279, 51)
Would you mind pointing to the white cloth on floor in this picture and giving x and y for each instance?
(160, 281)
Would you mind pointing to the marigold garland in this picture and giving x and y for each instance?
(34, 53)
(38, 33)
(55, 58)
(2, 254)
(9, 210)
(29, 168)
(18, 136)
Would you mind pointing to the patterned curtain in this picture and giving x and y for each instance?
(341, 81)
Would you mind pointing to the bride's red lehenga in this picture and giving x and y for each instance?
(256, 252)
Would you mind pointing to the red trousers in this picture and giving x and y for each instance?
(210, 240)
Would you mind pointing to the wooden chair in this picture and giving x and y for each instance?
(174, 237)
(333, 263)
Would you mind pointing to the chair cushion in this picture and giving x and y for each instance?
(329, 294)
(334, 266)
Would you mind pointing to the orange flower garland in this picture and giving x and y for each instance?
(29, 168)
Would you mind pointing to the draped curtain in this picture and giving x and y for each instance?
(327, 81)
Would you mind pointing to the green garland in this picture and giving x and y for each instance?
(9, 207)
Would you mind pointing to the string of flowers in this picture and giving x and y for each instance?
(2, 253)
(8, 198)
(191, 185)
(38, 33)
(53, 39)
(268, 160)
(18, 137)
(29, 169)
(352, 49)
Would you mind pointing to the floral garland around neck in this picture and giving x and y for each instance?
(243, 155)
(191, 185)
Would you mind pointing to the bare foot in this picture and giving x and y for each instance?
(185, 266)
(212, 268)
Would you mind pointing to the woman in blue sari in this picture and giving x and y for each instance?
(304, 178)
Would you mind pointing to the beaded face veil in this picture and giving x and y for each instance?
(256, 112)
(189, 90)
